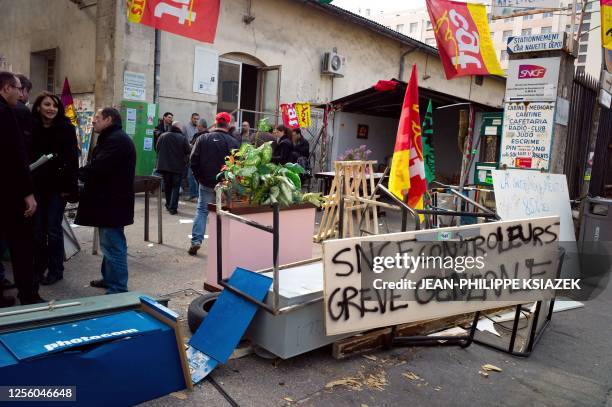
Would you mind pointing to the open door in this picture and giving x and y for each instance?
(269, 78)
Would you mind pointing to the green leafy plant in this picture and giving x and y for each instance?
(250, 173)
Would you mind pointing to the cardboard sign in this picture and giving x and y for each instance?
(532, 79)
(510, 248)
(530, 194)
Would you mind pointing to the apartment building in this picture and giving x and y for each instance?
(415, 23)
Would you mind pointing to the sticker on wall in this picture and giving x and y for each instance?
(148, 144)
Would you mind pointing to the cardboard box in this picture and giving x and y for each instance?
(114, 360)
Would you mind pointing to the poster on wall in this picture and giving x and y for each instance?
(205, 71)
(527, 135)
(532, 79)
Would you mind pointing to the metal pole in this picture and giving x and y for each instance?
(146, 219)
(275, 247)
(159, 215)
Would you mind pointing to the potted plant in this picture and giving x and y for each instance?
(249, 174)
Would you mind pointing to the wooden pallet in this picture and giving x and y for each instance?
(350, 182)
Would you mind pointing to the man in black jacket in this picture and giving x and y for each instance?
(107, 200)
(17, 204)
(207, 158)
(173, 151)
(23, 114)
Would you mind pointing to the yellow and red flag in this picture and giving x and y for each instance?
(68, 103)
(463, 38)
(606, 23)
(195, 19)
(407, 177)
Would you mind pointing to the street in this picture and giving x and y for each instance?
(570, 366)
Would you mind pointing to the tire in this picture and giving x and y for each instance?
(198, 310)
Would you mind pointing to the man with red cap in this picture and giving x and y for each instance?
(207, 158)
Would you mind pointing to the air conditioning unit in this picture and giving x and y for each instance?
(333, 64)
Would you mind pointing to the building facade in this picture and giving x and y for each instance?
(265, 53)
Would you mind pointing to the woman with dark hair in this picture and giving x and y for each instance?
(54, 183)
(282, 150)
(301, 149)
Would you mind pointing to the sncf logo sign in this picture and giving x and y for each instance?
(531, 71)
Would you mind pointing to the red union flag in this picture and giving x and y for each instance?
(407, 176)
(463, 38)
(290, 116)
(195, 19)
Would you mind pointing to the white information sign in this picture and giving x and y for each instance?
(205, 71)
(134, 86)
(537, 42)
(527, 135)
(508, 8)
(355, 304)
(133, 93)
(533, 79)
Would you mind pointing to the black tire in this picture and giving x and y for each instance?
(198, 310)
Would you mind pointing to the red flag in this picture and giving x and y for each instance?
(407, 168)
(195, 19)
(68, 103)
(290, 116)
(463, 38)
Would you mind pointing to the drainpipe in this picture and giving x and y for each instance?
(402, 64)
(157, 58)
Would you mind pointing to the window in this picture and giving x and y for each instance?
(578, 6)
(589, 6)
(526, 31)
(546, 30)
(503, 56)
(428, 25)
(367, 12)
(413, 28)
(528, 17)
(584, 37)
(582, 58)
(587, 17)
(548, 15)
(431, 42)
(585, 27)
(583, 48)
(580, 69)
(400, 28)
(507, 33)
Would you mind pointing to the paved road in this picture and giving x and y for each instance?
(571, 366)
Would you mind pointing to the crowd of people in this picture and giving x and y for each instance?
(195, 153)
(189, 157)
(32, 208)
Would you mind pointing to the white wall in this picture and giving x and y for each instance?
(381, 135)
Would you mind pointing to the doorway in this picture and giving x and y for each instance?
(248, 90)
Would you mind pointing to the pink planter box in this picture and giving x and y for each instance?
(250, 248)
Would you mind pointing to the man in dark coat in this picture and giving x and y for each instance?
(17, 204)
(207, 158)
(107, 200)
(173, 151)
(24, 116)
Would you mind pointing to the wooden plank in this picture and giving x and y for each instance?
(378, 338)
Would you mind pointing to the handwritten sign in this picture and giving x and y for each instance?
(528, 194)
(513, 249)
